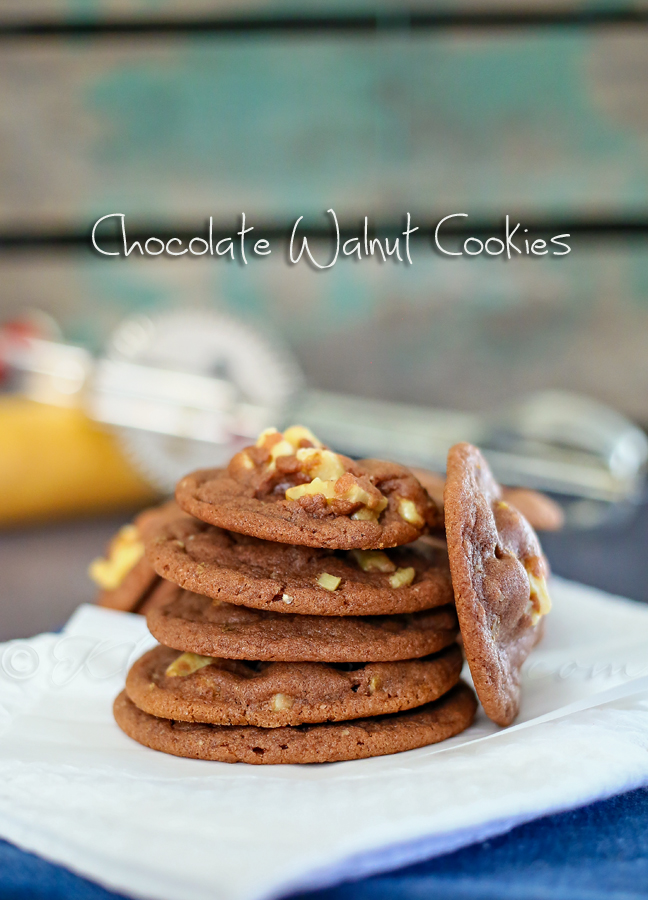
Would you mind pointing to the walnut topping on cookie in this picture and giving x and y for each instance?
(187, 664)
(297, 465)
(289, 487)
(124, 575)
(270, 447)
(539, 601)
(329, 582)
(402, 577)
(373, 560)
(125, 551)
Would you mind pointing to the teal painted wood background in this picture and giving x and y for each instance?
(541, 123)
(90, 9)
(179, 129)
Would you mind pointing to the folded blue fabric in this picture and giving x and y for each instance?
(599, 852)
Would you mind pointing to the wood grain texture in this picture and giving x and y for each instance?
(35, 10)
(178, 131)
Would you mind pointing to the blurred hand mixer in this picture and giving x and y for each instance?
(182, 390)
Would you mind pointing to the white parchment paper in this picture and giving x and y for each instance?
(76, 790)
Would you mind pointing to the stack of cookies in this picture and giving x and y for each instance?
(308, 609)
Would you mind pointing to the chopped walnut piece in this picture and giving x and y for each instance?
(126, 549)
(329, 582)
(316, 486)
(348, 494)
(318, 463)
(373, 561)
(402, 577)
(365, 515)
(277, 444)
(281, 701)
(298, 435)
(408, 510)
(348, 488)
(539, 595)
(374, 684)
(295, 437)
(246, 460)
(187, 664)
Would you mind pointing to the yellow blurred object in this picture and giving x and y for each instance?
(125, 551)
(56, 462)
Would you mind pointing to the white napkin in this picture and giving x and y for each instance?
(76, 790)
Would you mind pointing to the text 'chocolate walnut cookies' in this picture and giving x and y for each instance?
(290, 488)
(287, 579)
(499, 577)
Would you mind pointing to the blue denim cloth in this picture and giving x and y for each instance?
(599, 852)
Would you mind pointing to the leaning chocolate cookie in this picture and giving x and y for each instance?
(329, 742)
(192, 688)
(290, 488)
(283, 578)
(208, 627)
(499, 576)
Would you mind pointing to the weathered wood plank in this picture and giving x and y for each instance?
(79, 10)
(549, 123)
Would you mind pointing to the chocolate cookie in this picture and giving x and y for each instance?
(197, 624)
(125, 576)
(133, 590)
(290, 488)
(161, 593)
(499, 578)
(282, 578)
(195, 688)
(331, 742)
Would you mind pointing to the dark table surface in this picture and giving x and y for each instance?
(598, 852)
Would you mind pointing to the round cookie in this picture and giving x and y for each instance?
(282, 578)
(193, 623)
(499, 578)
(330, 742)
(132, 591)
(273, 694)
(290, 488)
(125, 576)
(161, 593)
